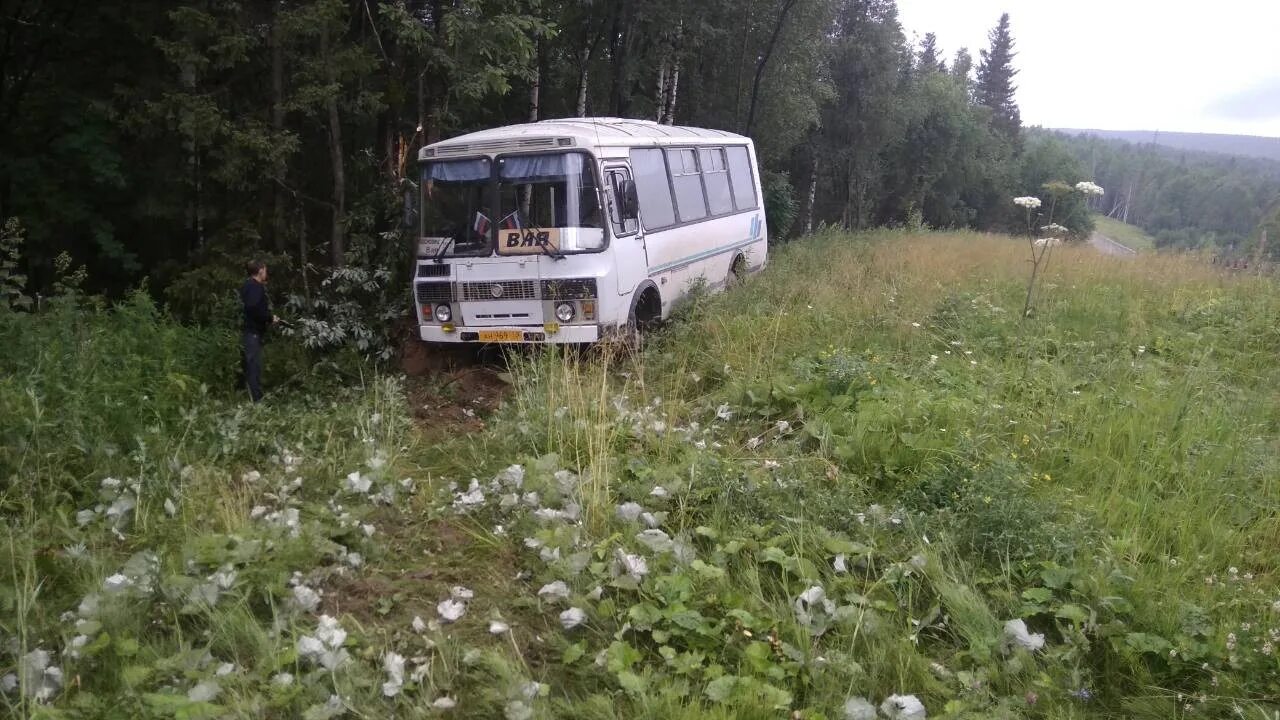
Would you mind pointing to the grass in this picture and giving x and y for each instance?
(856, 470)
(1128, 235)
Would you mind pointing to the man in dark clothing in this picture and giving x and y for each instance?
(257, 319)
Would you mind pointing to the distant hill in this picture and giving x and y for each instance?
(1243, 145)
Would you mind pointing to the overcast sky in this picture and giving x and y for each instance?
(1172, 65)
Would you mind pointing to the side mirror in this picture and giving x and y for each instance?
(630, 200)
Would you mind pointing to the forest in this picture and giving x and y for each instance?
(158, 145)
(1187, 199)
(167, 141)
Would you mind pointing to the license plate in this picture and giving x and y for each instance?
(502, 336)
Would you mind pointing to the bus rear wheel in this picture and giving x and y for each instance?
(737, 273)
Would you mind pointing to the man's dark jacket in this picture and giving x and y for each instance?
(257, 308)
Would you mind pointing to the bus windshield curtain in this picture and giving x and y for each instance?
(457, 171)
(542, 168)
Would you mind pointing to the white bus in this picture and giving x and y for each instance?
(568, 231)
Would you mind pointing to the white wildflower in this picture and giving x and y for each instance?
(330, 632)
(310, 647)
(393, 663)
(723, 412)
(659, 491)
(225, 669)
(548, 514)
(513, 475)
(517, 710)
(306, 598)
(915, 324)
(554, 591)
(1027, 202)
(629, 511)
(252, 476)
(858, 708)
(450, 610)
(473, 496)
(497, 627)
(8, 683)
(1089, 188)
(42, 680)
(368, 530)
(358, 483)
(117, 583)
(283, 679)
(84, 517)
(753, 443)
(77, 643)
(204, 692)
(840, 564)
(257, 512)
(457, 592)
(418, 625)
(634, 565)
(811, 600)
(169, 508)
(1015, 632)
(444, 703)
(572, 618)
(903, 707)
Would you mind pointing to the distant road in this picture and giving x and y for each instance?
(1107, 246)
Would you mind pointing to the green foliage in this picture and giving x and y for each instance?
(1185, 199)
(779, 203)
(13, 283)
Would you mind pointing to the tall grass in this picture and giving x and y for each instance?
(870, 417)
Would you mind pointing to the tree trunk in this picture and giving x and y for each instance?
(670, 112)
(278, 234)
(660, 102)
(536, 86)
(337, 243)
(764, 60)
(587, 56)
(742, 61)
(581, 109)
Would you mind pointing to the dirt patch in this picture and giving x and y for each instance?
(456, 400)
(451, 388)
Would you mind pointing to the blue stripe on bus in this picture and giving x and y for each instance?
(689, 260)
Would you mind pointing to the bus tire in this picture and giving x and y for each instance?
(645, 314)
(737, 272)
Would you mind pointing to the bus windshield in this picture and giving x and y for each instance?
(553, 193)
(455, 212)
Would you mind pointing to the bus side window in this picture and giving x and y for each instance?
(741, 178)
(621, 226)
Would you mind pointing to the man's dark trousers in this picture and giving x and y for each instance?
(251, 361)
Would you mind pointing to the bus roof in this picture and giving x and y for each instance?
(577, 132)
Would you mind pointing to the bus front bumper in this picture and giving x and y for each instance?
(525, 335)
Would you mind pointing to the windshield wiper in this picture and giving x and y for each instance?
(546, 249)
(440, 253)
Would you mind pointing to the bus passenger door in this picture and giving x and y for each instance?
(631, 260)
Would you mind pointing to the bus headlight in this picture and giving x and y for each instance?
(564, 312)
(443, 313)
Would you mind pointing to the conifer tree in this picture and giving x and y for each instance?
(995, 88)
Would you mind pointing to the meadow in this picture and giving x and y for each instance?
(859, 485)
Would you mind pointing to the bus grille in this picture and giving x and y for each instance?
(433, 270)
(500, 290)
(569, 289)
(435, 292)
